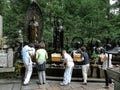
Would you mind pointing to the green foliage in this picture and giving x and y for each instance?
(95, 57)
(13, 15)
(84, 18)
(18, 68)
(1, 6)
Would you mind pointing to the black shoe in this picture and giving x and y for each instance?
(25, 84)
(39, 83)
(84, 83)
(43, 82)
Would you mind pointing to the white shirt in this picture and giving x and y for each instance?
(25, 54)
(68, 60)
(105, 63)
(32, 51)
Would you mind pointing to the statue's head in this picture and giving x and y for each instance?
(33, 18)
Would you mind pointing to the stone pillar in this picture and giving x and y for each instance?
(0, 26)
(10, 58)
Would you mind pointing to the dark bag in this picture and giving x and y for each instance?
(41, 67)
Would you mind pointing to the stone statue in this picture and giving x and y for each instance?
(33, 30)
(1, 26)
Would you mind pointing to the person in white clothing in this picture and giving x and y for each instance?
(85, 64)
(107, 63)
(32, 51)
(68, 61)
(27, 62)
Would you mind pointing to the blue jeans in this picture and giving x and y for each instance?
(67, 75)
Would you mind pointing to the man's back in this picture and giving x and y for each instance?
(25, 51)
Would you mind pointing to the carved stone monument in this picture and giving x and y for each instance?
(10, 58)
(6, 56)
(0, 26)
(33, 23)
(3, 59)
(6, 61)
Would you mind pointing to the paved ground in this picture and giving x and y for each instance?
(16, 84)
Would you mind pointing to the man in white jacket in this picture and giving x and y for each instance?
(26, 51)
(68, 61)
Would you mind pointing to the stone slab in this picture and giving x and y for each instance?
(3, 60)
(11, 69)
(17, 86)
(117, 85)
(50, 85)
(31, 86)
(114, 73)
(1, 26)
(10, 58)
(6, 86)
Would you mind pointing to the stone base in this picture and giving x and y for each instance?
(10, 69)
(117, 85)
(114, 73)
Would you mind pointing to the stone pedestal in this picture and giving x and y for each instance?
(115, 75)
(117, 85)
(6, 69)
(6, 61)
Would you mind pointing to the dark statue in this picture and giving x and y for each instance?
(58, 36)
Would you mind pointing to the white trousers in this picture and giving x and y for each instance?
(67, 75)
(28, 73)
(84, 72)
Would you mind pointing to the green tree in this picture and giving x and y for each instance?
(82, 18)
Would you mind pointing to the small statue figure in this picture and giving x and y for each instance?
(33, 32)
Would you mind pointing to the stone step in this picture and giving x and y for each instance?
(77, 79)
(6, 69)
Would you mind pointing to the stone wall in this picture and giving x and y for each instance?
(6, 61)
